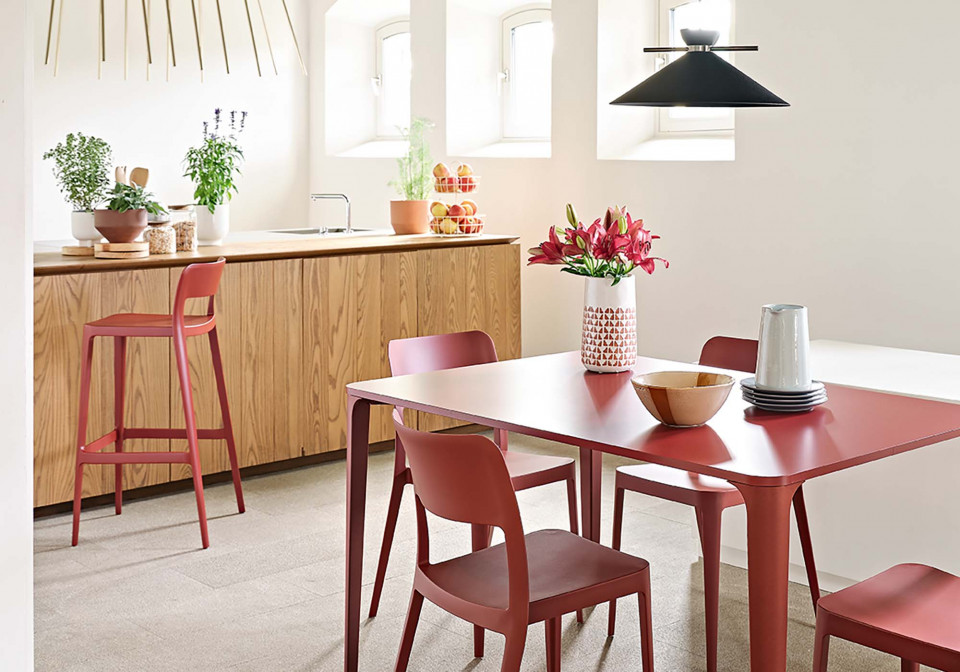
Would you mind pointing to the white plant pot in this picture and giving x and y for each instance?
(212, 227)
(609, 340)
(83, 229)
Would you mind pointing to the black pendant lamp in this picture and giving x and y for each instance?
(700, 78)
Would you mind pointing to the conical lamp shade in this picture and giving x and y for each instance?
(700, 79)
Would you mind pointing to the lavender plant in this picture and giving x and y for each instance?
(214, 165)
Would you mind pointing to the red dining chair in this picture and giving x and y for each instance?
(528, 579)
(450, 351)
(196, 281)
(709, 497)
(909, 611)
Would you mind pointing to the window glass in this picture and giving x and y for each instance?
(529, 61)
(394, 84)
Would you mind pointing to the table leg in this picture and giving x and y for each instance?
(591, 466)
(358, 446)
(768, 567)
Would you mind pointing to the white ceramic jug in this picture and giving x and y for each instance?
(783, 359)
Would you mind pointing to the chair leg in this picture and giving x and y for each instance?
(552, 628)
(186, 391)
(708, 522)
(574, 525)
(393, 511)
(806, 545)
(513, 650)
(908, 666)
(480, 540)
(225, 415)
(646, 623)
(86, 363)
(821, 647)
(119, 396)
(409, 631)
(617, 531)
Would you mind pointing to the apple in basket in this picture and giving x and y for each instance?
(438, 209)
(470, 207)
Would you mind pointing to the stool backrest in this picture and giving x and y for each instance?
(198, 281)
(724, 352)
(444, 351)
(463, 478)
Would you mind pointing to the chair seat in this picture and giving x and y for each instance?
(676, 484)
(911, 601)
(148, 324)
(560, 563)
(528, 470)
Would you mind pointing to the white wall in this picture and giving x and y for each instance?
(844, 201)
(153, 123)
(16, 342)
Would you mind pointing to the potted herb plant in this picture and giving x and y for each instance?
(213, 167)
(81, 165)
(411, 214)
(125, 216)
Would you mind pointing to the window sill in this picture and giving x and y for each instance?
(518, 149)
(376, 149)
(681, 149)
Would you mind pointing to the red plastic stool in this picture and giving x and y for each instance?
(197, 281)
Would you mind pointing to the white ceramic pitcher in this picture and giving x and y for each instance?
(783, 359)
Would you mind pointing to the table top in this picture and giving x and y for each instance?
(257, 246)
(553, 397)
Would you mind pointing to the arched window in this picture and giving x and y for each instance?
(392, 80)
(526, 73)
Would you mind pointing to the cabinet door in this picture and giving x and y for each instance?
(468, 288)
(353, 306)
(62, 304)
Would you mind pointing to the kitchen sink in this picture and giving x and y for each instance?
(321, 232)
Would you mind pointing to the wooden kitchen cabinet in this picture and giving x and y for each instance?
(293, 333)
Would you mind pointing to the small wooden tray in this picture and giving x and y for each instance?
(122, 247)
(76, 251)
(122, 255)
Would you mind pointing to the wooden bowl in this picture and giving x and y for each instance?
(120, 227)
(683, 398)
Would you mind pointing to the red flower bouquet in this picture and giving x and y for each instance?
(611, 247)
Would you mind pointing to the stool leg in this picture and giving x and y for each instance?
(119, 393)
(186, 391)
(225, 413)
(86, 361)
(708, 522)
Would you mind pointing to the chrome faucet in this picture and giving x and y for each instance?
(346, 200)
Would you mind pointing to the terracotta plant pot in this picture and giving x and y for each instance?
(409, 217)
(120, 227)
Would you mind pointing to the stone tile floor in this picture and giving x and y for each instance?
(139, 594)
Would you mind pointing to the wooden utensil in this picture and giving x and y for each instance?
(196, 31)
(46, 58)
(56, 57)
(146, 31)
(223, 37)
(139, 176)
(173, 51)
(120, 173)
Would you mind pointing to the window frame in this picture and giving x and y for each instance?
(383, 32)
(667, 126)
(521, 16)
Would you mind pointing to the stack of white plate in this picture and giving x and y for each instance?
(783, 401)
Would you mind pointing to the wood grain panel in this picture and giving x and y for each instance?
(287, 367)
(61, 305)
(213, 454)
(400, 320)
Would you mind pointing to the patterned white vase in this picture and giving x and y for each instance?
(609, 341)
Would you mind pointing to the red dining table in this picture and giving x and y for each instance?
(766, 456)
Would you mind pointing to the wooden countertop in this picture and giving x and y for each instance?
(251, 246)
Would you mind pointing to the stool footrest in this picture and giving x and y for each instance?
(175, 457)
(165, 433)
(101, 443)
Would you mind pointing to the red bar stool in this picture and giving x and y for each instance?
(197, 281)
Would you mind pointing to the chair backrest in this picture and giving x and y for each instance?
(463, 478)
(724, 352)
(444, 351)
(198, 281)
